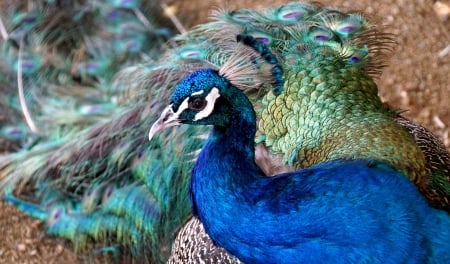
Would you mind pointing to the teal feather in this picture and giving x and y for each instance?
(78, 227)
(34, 210)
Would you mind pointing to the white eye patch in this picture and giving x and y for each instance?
(198, 93)
(211, 101)
(183, 106)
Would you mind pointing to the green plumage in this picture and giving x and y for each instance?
(329, 110)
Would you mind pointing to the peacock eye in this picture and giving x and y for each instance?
(197, 104)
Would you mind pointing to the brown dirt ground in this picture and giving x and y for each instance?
(417, 80)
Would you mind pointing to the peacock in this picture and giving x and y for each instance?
(334, 211)
(282, 136)
(193, 244)
(94, 176)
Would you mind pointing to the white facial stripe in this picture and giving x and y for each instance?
(211, 100)
(167, 119)
(198, 93)
(183, 106)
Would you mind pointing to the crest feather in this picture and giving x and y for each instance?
(247, 69)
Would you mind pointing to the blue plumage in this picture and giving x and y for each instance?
(340, 211)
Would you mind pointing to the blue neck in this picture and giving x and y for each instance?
(226, 162)
(315, 214)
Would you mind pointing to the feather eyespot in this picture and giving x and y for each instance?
(197, 104)
(57, 213)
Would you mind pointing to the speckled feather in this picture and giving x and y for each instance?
(193, 244)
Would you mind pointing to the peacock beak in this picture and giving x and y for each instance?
(167, 119)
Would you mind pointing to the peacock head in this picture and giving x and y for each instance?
(197, 99)
(206, 96)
